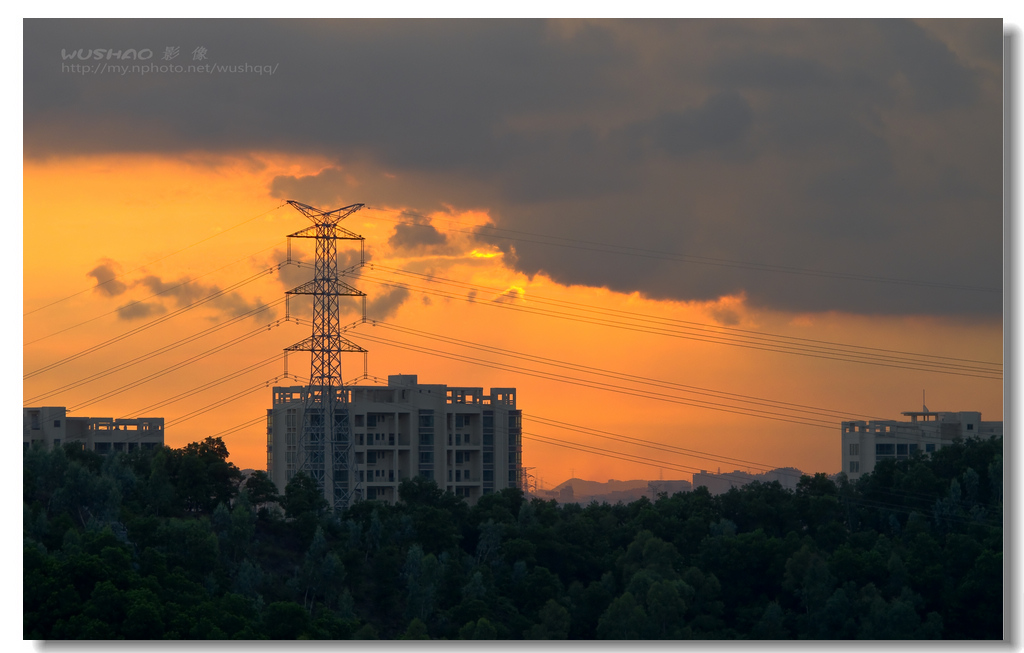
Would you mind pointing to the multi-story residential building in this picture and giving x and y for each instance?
(51, 426)
(865, 443)
(466, 440)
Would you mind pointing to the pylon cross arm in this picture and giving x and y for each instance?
(316, 214)
(333, 288)
(337, 233)
(339, 344)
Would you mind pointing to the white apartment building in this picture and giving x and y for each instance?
(865, 443)
(466, 440)
(51, 426)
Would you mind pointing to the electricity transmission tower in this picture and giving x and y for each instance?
(325, 441)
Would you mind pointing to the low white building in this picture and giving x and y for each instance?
(466, 440)
(865, 443)
(51, 426)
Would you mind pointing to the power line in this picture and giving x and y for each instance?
(239, 427)
(177, 366)
(114, 278)
(150, 324)
(156, 352)
(162, 292)
(922, 366)
(622, 376)
(606, 386)
(646, 443)
(700, 326)
(221, 402)
(206, 386)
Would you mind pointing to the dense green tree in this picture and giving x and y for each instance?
(302, 495)
(261, 489)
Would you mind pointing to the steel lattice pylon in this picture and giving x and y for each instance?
(325, 442)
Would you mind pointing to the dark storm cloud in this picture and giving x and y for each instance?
(938, 79)
(726, 316)
(180, 292)
(139, 310)
(721, 121)
(324, 189)
(185, 293)
(386, 303)
(510, 296)
(106, 274)
(722, 152)
(416, 232)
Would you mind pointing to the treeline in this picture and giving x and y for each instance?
(169, 543)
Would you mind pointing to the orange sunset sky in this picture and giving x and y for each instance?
(684, 243)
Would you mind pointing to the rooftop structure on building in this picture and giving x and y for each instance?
(468, 441)
(51, 426)
(865, 443)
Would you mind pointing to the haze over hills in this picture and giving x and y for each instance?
(577, 490)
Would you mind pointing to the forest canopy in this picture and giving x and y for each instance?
(177, 544)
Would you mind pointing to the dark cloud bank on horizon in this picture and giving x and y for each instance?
(855, 147)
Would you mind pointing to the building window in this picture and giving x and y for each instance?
(885, 449)
(929, 448)
(426, 457)
(371, 457)
(360, 420)
(56, 424)
(488, 476)
(970, 427)
(854, 449)
(371, 420)
(458, 475)
(854, 466)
